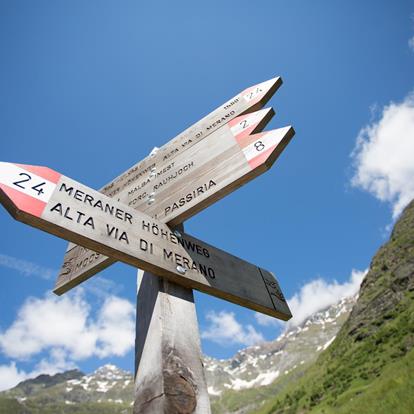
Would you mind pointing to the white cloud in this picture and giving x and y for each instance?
(384, 156)
(265, 320)
(316, 296)
(102, 287)
(27, 268)
(56, 362)
(411, 43)
(10, 376)
(98, 286)
(116, 328)
(65, 329)
(225, 330)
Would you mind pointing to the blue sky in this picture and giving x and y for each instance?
(89, 88)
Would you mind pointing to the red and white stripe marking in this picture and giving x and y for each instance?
(258, 147)
(256, 92)
(29, 187)
(245, 124)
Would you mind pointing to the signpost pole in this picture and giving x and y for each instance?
(169, 375)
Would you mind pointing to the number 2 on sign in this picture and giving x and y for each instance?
(37, 187)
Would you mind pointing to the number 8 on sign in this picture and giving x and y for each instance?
(259, 146)
(264, 144)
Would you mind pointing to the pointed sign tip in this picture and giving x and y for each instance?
(26, 188)
(251, 123)
(258, 95)
(271, 84)
(264, 148)
(281, 138)
(277, 80)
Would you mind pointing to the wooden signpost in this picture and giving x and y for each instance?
(237, 158)
(133, 219)
(157, 166)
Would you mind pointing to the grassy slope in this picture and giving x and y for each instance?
(12, 406)
(233, 401)
(369, 367)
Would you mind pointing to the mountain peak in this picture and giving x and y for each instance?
(43, 381)
(109, 370)
(292, 351)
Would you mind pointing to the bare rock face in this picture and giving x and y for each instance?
(390, 277)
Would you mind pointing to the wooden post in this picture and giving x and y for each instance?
(169, 374)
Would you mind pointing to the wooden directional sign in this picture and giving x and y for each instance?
(210, 170)
(45, 199)
(249, 100)
(171, 161)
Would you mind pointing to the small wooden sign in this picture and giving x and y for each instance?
(45, 199)
(249, 100)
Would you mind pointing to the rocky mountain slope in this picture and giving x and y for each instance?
(110, 388)
(369, 368)
(262, 364)
(262, 368)
(107, 390)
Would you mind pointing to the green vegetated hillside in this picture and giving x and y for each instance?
(255, 374)
(369, 368)
(11, 406)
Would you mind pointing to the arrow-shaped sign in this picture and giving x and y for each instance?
(249, 100)
(45, 199)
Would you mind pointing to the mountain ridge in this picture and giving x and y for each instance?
(251, 368)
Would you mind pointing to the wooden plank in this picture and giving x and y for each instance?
(61, 206)
(169, 375)
(249, 100)
(237, 159)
